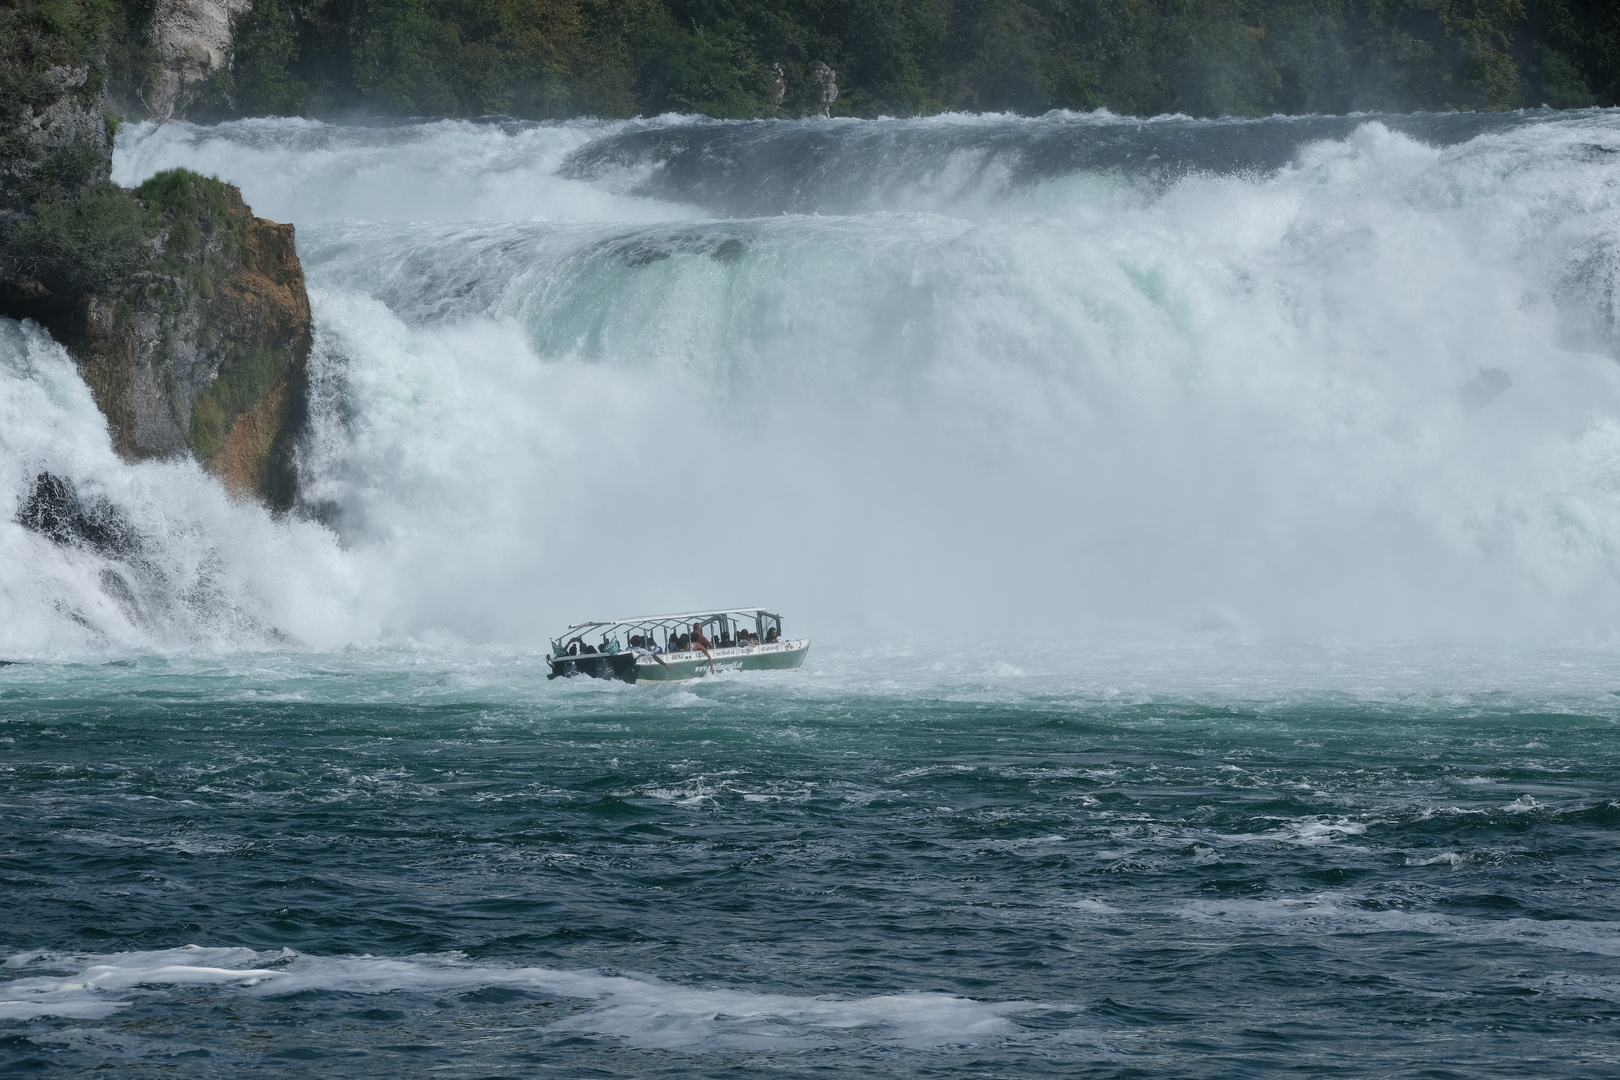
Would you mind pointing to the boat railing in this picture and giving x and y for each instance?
(669, 626)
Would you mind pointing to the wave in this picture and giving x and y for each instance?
(642, 1011)
(1328, 914)
(957, 161)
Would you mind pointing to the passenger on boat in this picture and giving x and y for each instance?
(646, 646)
(772, 635)
(702, 644)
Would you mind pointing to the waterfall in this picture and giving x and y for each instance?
(961, 376)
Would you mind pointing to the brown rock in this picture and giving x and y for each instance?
(186, 315)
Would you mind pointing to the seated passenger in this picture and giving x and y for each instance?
(772, 635)
(702, 644)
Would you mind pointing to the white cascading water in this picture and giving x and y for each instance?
(1369, 394)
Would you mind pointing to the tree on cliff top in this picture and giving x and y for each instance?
(558, 58)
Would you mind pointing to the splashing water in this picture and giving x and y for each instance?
(1321, 377)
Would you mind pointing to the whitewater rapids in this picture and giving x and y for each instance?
(1319, 377)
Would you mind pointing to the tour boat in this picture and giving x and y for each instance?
(654, 648)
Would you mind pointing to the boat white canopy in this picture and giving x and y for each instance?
(678, 617)
(726, 621)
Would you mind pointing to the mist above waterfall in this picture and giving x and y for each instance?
(1342, 377)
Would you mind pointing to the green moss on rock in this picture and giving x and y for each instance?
(244, 379)
(207, 425)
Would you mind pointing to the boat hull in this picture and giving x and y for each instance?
(681, 666)
(596, 665)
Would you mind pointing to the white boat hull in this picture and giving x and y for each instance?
(681, 666)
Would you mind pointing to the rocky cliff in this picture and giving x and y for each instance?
(193, 41)
(186, 314)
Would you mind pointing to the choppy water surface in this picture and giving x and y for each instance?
(293, 795)
(368, 865)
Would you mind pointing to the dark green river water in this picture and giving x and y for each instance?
(390, 865)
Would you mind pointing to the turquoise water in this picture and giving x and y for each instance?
(907, 862)
(1101, 459)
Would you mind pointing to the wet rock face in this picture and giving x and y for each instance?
(56, 511)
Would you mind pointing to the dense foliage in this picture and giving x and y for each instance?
(64, 224)
(550, 58)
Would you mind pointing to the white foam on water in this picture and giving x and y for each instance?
(448, 170)
(1094, 907)
(1321, 830)
(1339, 914)
(207, 573)
(644, 1011)
(1370, 395)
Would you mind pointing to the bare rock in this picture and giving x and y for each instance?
(193, 39)
(57, 511)
(826, 81)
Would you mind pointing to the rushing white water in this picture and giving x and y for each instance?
(899, 378)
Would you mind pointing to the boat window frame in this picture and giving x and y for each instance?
(679, 621)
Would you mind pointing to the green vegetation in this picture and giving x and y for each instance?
(201, 220)
(38, 37)
(244, 379)
(557, 58)
(50, 57)
(85, 242)
(96, 238)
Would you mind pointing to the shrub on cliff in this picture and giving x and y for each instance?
(82, 243)
(96, 239)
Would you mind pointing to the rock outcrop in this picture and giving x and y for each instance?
(57, 511)
(203, 349)
(186, 315)
(193, 40)
(55, 136)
